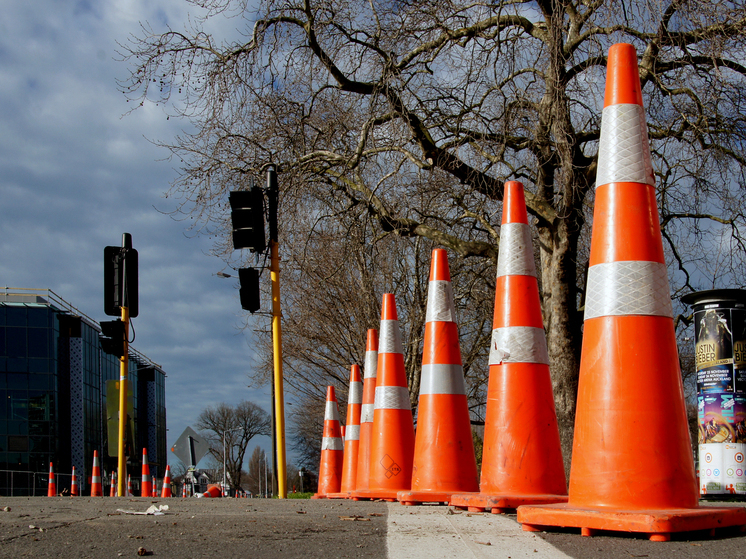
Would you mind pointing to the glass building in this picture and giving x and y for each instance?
(55, 383)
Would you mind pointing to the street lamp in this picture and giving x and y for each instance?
(224, 434)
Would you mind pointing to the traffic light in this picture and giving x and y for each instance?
(247, 215)
(113, 336)
(249, 292)
(118, 263)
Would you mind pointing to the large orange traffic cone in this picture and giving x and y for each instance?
(521, 456)
(52, 485)
(146, 486)
(392, 438)
(74, 490)
(97, 488)
(632, 467)
(366, 412)
(444, 461)
(332, 449)
(351, 436)
(166, 491)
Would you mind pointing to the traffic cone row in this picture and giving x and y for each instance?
(629, 365)
(351, 436)
(332, 448)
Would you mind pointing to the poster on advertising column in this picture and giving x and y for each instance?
(720, 357)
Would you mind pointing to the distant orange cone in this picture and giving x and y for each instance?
(74, 491)
(154, 487)
(129, 486)
(113, 486)
(632, 467)
(183, 491)
(52, 484)
(392, 438)
(166, 491)
(351, 436)
(444, 461)
(521, 457)
(146, 486)
(366, 413)
(332, 449)
(97, 487)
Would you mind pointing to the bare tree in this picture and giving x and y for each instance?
(236, 425)
(416, 112)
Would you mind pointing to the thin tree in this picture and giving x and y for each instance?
(237, 426)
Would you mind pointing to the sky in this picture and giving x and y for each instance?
(76, 172)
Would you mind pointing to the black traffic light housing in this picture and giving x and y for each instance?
(113, 336)
(249, 292)
(120, 278)
(247, 216)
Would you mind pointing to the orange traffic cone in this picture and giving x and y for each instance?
(366, 413)
(213, 492)
(351, 436)
(183, 491)
(113, 486)
(522, 456)
(52, 485)
(74, 491)
(129, 486)
(332, 449)
(97, 488)
(166, 490)
(632, 467)
(154, 487)
(146, 486)
(392, 438)
(444, 461)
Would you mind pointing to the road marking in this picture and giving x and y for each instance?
(428, 532)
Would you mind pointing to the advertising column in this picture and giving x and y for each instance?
(720, 357)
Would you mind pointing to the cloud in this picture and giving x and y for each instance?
(75, 174)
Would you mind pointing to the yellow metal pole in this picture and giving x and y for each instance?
(123, 364)
(277, 347)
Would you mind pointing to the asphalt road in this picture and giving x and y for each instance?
(66, 527)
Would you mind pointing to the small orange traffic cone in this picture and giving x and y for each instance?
(146, 486)
(392, 438)
(183, 491)
(97, 488)
(154, 487)
(521, 456)
(351, 436)
(129, 486)
(366, 412)
(74, 491)
(52, 485)
(444, 461)
(113, 486)
(166, 490)
(332, 449)
(632, 467)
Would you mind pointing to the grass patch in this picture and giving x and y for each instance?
(300, 495)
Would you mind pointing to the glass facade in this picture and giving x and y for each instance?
(53, 397)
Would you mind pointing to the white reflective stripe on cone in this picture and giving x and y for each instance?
(516, 254)
(352, 433)
(440, 302)
(442, 379)
(518, 344)
(371, 364)
(392, 398)
(632, 287)
(331, 413)
(390, 338)
(332, 443)
(624, 148)
(355, 395)
(366, 413)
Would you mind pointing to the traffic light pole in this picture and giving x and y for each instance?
(279, 398)
(123, 367)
